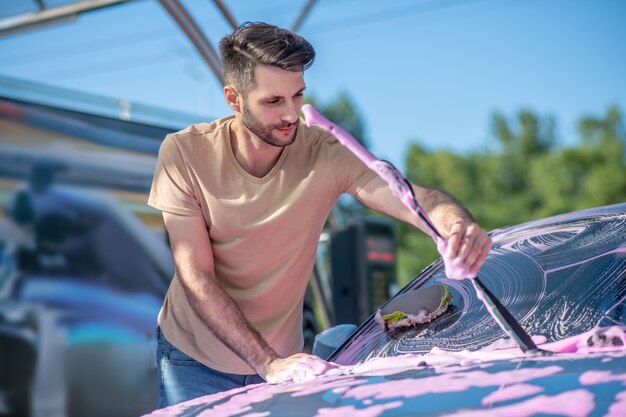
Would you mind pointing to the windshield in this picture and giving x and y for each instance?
(559, 277)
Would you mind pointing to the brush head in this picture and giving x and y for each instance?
(414, 307)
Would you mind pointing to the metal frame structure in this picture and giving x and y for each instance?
(53, 15)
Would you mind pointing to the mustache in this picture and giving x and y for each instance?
(286, 125)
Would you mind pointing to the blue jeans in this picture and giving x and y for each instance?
(182, 378)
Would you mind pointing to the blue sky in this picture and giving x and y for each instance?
(430, 71)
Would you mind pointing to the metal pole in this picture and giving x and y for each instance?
(40, 4)
(10, 25)
(195, 35)
(305, 11)
(229, 17)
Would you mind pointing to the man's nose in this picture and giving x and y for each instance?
(291, 113)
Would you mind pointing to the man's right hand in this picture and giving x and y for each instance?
(193, 255)
(296, 368)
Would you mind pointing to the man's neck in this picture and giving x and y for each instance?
(255, 156)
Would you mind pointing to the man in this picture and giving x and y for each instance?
(244, 200)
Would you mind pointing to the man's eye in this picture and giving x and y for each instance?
(273, 101)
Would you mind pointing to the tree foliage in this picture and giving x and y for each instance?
(527, 177)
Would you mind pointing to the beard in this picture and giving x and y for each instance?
(264, 132)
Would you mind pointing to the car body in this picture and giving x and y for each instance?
(563, 278)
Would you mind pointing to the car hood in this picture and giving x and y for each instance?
(586, 376)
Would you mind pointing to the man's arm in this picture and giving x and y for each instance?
(193, 258)
(465, 238)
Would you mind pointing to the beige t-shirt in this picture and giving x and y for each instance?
(263, 231)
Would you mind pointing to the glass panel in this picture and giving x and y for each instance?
(558, 279)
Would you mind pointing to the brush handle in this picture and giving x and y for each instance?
(402, 189)
(399, 186)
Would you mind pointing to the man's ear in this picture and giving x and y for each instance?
(233, 98)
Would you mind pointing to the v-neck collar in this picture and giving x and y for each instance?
(259, 180)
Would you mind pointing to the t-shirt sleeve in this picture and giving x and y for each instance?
(350, 173)
(172, 189)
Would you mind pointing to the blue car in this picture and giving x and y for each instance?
(78, 312)
(563, 278)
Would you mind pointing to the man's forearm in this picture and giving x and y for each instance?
(222, 316)
(442, 209)
(464, 239)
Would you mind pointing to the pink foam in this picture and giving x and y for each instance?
(177, 409)
(600, 377)
(349, 410)
(579, 343)
(446, 383)
(511, 392)
(388, 366)
(243, 402)
(453, 375)
(576, 403)
(320, 385)
(618, 408)
(455, 268)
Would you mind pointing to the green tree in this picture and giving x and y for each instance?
(526, 177)
(591, 174)
(521, 141)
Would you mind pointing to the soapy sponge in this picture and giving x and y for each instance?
(414, 307)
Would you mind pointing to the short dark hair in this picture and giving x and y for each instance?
(255, 43)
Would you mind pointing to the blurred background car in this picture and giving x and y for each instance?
(78, 310)
(86, 263)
